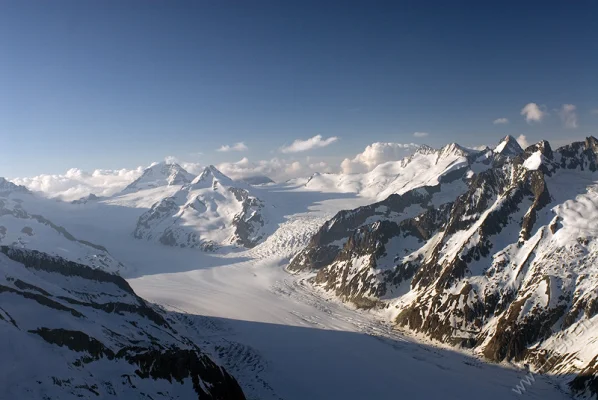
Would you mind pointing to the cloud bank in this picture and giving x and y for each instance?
(376, 154)
(277, 169)
(76, 183)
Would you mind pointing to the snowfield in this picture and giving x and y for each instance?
(278, 334)
(280, 337)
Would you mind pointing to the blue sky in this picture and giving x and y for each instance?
(117, 84)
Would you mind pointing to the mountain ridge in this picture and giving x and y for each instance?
(469, 271)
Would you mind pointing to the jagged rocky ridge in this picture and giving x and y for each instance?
(209, 212)
(69, 331)
(501, 257)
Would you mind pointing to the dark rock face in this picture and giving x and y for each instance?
(249, 221)
(322, 249)
(491, 268)
(112, 340)
(163, 209)
(368, 245)
(76, 341)
(179, 365)
(586, 382)
(86, 199)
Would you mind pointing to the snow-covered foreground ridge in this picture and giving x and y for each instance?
(491, 250)
(498, 255)
(69, 331)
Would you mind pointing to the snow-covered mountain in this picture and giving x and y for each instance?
(7, 188)
(69, 331)
(496, 252)
(160, 174)
(209, 212)
(508, 147)
(424, 168)
(25, 228)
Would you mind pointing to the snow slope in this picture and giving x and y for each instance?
(23, 225)
(160, 174)
(72, 332)
(424, 168)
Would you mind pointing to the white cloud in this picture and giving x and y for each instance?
(320, 166)
(308, 144)
(533, 113)
(522, 140)
(420, 134)
(76, 183)
(277, 169)
(193, 168)
(375, 154)
(501, 121)
(235, 147)
(568, 116)
(595, 111)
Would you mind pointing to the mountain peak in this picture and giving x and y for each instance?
(508, 147)
(211, 171)
(165, 173)
(7, 186)
(543, 147)
(454, 149)
(591, 143)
